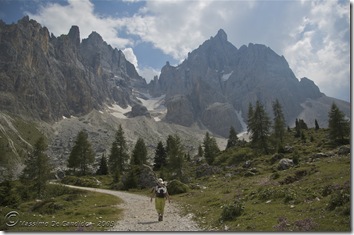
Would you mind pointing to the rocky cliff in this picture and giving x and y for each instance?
(46, 77)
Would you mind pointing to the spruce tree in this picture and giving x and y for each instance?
(175, 155)
(37, 168)
(160, 156)
(82, 154)
(259, 127)
(139, 156)
(339, 126)
(250, 116)
(279, 122)
(119, 155)
(317, 127)
(233, 139)
(103, 168)
(211, 148)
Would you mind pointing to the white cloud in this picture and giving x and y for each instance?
(148, 73)
(59, 19)
(320, 48)
(130, 56)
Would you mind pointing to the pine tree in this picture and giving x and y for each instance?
(175, 155)
(139, 156)
(103, 168)
(259, 127)
(160, 156)
(250, 116)
(119, 155)
(211, 148)
(37, 168)
(279, 122)
(339, 126)
(82, 154)
(317, 127)
(233, 139)
(200, 151)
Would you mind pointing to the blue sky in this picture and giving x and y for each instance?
(313, 36)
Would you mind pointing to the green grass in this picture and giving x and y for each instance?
(74, 210)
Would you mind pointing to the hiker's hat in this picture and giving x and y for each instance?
(160, 181)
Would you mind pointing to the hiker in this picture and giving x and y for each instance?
(160, 193)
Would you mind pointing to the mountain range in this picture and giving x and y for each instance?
(56, 80)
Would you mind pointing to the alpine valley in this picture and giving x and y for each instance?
(58, 86)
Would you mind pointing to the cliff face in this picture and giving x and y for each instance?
(47, 77)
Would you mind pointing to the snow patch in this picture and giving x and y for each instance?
(226, 77)
(118, 111)
(243, 123)
(155, 105)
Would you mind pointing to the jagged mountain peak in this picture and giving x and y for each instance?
(221, 35)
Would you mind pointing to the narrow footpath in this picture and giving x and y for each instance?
(139, 214)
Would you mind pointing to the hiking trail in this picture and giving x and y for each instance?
(139, 214)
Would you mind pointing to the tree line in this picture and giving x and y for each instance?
(170, 158)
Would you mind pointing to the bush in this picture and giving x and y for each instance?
(231, 211)
(176, 187)
(80, 181)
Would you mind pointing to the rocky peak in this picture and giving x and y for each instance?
(221, 35)
(74, 35)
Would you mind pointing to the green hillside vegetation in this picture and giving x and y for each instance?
(257, 196)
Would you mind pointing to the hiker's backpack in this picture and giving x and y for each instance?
(160, 191)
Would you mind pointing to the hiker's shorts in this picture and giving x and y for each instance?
(160, 205)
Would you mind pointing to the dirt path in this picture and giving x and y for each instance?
(139, 214)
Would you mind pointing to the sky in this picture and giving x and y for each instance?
(312, 35)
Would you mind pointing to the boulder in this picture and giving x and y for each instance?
(285, 164)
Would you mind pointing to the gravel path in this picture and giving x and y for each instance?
(139, 214)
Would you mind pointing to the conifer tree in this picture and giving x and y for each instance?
(211, 148)
(339, 126)
(200, 151)
(103, 168)
(37, 168)
(82, 154)
(175, 154)
(139, 156)
(119, 155)
(160, 156)
(279, 122)
(233, 139)
(316, 125)
(259, 127)
(250, 117)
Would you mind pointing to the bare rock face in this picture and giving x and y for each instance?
(218, 118)
(46, 77)
(180, 111)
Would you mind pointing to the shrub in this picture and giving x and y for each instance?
(177, 187)
(231, 211)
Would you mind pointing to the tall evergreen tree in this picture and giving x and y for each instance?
(103, 168)
(139, 156)
(279, 122)
(233, 139)
(250, 116)
(339, 126)
(160, 156)
(200, 151)
(316, 125)
(37, 168)
(175, 154)
(119, 155)
(82, 154)
(259, 126)
(211, 148)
